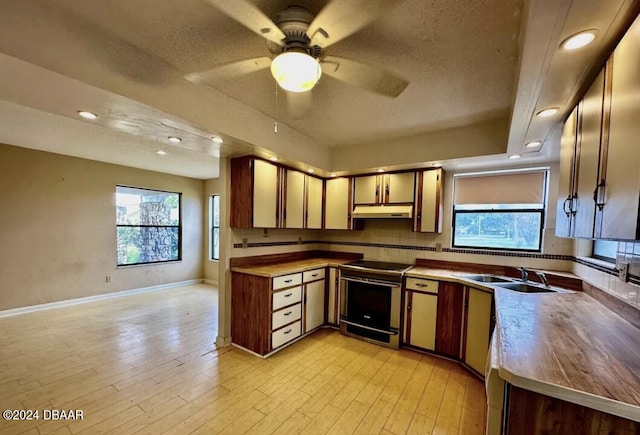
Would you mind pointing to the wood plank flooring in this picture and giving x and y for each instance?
(146, 364)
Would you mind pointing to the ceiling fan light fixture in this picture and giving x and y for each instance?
(296, 71)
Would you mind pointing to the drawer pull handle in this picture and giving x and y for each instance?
(315, 274)
(419, 284)
(288, 295)
(287, 332)
(288, 281)
(288, 313)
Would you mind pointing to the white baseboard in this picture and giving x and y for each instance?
(211, 282)
(223, 341)
(102, 297)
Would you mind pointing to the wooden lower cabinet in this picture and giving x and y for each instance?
(478, 324)
(528, 412)
(449, 319)
(333, 296)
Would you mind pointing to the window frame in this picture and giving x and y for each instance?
(611, 260)
(178, 227)
(213, 227)
(542, 211)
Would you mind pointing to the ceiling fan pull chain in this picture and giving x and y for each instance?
(275, 121)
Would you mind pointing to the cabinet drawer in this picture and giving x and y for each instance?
(313, 275)
(423, 285)
(286, 315)
(287, 280)
(287, 297)
(286, 334)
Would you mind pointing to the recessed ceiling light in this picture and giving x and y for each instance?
(273, 159)
(161, 153)
(436, 165)
(174, 139)
(380, 170)
(514, 156)
(333, 175)
(578, 40)
(87, 115)
(217, 139)
(534, 144)
(310, 171)
(545, 113)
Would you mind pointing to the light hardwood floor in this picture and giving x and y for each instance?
(147, 364)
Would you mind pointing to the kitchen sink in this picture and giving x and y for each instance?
(486, 278)
(526, 288)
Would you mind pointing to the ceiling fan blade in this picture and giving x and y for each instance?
(248, 14)
(299, 104)
(363, 76)
(230, 70)
(341, 18)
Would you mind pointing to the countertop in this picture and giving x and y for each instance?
(284, 268)
(564, 345)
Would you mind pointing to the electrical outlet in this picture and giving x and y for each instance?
(623, 271)
(438, 247)
(107, 279)
(245, 243)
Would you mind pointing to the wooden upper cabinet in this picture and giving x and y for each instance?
(428, 217)
(255, 193)
(619, 195)
(566, 176)
(396, 188)
(337, 210)
(294, 206)
(314, 202)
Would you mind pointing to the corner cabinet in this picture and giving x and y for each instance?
(478, 324)
(314, 299)
(449, 319)
(599, 182)
(264, 195)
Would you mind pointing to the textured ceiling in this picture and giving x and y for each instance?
(477, 72)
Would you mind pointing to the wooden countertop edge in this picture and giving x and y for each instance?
(604, 404)
(291, 267)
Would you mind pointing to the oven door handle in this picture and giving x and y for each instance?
(348, 322)
(371, 281)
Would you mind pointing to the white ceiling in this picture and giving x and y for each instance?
(471, 66)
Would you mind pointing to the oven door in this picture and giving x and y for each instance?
(370, 310)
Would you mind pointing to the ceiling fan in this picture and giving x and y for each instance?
(298, 41)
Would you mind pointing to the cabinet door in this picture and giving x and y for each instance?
(449, 319)
(590, 121)
(294, 200)
(478, 329)
(420, 323)
(367, 189)
(337, 204)
(621, 193)
(429, 202)
(314, 203)
(265, 194)
(564, 214)
(399, 187)
(314, 305)
(334, 296)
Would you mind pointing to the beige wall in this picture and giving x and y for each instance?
(57, 228)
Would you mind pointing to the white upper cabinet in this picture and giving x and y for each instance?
(294, 208)
(337, 207)
(385, 188)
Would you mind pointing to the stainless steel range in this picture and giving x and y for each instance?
(370, 301)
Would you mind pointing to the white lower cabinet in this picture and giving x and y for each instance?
(478, 329)
(420, 313)
(314, 305)
(286, 315)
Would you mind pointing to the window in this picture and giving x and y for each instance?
(605, 250)
(215, 227)
(148, 226)
(499, 210)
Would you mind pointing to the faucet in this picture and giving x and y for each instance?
(543, 278)
(524, 275)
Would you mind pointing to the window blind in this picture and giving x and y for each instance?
(512, 188)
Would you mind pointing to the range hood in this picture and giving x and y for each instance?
(382, 211)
